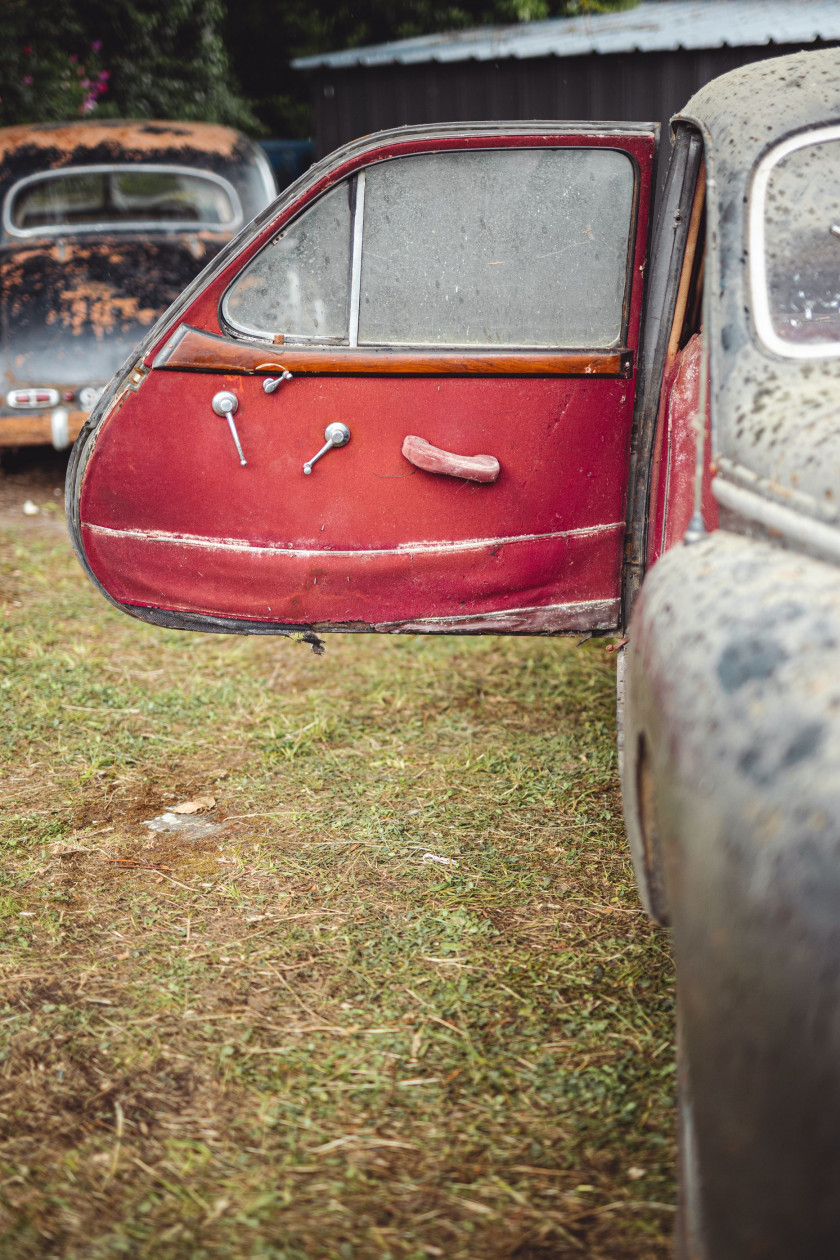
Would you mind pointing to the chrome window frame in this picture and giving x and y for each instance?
(132, 225)
(759, 292)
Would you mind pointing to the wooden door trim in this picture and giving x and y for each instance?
(191, 349)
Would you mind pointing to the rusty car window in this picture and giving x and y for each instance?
(121, 198)
(497, 247)
(795, 239)
(299, 284)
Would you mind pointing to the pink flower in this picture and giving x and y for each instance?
(73, 59)
(27, 48)
(27, 78)
(96, 45)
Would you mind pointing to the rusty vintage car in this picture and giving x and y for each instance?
(451, 382)
(103, 225)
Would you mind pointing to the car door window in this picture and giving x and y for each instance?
(484, 248)
(501, 248)
(299, 284)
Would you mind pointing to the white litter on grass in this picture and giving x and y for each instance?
(189, 827)
(30, 508)
(436, 857)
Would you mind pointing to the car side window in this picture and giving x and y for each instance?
(299, 284)
(483, 247)
(796, 237)
(497, 248)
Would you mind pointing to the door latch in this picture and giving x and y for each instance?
(271, 382)
(337, 434)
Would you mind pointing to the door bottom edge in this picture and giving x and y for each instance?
(600, 615)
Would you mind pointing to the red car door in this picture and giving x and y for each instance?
(402, 402)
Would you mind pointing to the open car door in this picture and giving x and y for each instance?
(400, 401)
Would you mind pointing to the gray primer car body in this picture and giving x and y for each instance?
(732, 734)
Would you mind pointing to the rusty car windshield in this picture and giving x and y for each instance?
(122, 198)
(795, 240)
(486, 247)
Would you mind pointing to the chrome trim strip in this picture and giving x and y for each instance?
(797, 500)
(812, 536)
(59, 428)
(757, 245)
(356, 264)
(402, 549)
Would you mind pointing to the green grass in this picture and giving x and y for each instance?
(294, 1037)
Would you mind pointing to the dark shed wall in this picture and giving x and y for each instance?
(640, 87)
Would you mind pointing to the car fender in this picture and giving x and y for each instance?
(732, 794)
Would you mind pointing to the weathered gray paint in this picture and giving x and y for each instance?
(733, 681)
(732, 739)
(772, 418)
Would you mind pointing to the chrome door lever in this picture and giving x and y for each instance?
(337, 434)
(225, 404)
(271, 382)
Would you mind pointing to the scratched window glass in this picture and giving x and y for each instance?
(802, 243)
(523, 247)
(299, 284)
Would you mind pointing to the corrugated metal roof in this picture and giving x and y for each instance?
(653, 26)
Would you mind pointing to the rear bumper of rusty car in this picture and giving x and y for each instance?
(731, 785)
(58, 427)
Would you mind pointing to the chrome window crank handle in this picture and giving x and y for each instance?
(337, 434)
(225, 404)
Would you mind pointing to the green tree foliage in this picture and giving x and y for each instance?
(116, 58)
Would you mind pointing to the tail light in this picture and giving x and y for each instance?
(32, 398)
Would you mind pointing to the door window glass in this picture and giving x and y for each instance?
(299, 284)
(490, 247)
(497, 247)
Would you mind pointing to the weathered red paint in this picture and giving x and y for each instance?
(171, 520)
(561, 445)
(323, 588)
(676, 451)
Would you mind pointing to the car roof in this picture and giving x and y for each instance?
(141, 139)
(746, 110)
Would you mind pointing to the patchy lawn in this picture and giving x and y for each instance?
(292, 1030)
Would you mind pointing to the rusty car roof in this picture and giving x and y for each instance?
(142, 136)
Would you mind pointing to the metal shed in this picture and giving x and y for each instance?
(636, 64)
